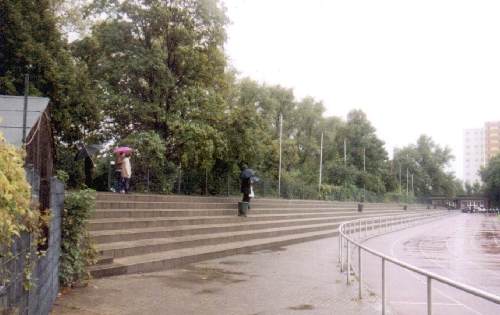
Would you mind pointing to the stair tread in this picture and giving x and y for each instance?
(153, 219)
(256, 208)
(159, 241)
(178, 253)
(197, 226)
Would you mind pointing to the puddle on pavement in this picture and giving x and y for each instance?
(302, 307)
(489, 237)
(208, 291)
(233, 262)
(271, 250)
(189, 275)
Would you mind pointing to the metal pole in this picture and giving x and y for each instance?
(25, 110)
(345, 152)
(359, 229)
(429, 296)
(341, 253)
(383, 286)
(340, 248)
(407, 183)
(364, 171)
(206, 181)
(412, 190)
(400, 184)
(359, 271)
(320, 162)
(348, 262)
(180, 179)
(279, 171)
(364, 159)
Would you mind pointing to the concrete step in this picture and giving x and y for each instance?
(111, 197)
(138, 223)
(141, 247)
(149, 213)
(110, 236)
(104, 259)
(175, 258)
(164, 205)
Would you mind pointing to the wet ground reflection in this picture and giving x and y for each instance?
(464, 248)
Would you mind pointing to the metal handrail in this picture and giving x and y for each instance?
(386, 224)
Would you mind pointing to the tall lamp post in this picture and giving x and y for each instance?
(320, 163)
(279, 170)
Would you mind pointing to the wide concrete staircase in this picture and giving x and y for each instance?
(144, 233)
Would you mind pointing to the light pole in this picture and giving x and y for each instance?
(320, 163)
(279, 171)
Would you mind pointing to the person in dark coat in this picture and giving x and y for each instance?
(246, 185)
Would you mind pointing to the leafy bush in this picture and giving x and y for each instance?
(17, 215)
(62, 176)
(77, 251)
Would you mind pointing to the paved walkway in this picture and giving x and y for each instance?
(464, 248)
(297, 279)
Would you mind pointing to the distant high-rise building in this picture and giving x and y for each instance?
(480, 145)
(492, 139)
(474, 154)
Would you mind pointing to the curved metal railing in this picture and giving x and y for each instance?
(353, 233)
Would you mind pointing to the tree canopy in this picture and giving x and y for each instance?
(490, 176)
(153, 74)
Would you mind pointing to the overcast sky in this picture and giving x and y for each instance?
(415, 67)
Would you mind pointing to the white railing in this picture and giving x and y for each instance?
(353, 233)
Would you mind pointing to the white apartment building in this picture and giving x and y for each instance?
(474, 154)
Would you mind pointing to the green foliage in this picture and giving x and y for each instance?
(66, 163)
(37, 48)
(62, 176)
(153, 74)
(17, 215)
(149, 163)
(427, 161)
(77, 251)
(491, 179)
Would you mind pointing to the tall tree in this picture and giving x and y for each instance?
(160, 66)
(363, 148)
(490, 176)
(427, 162)
(30, 43)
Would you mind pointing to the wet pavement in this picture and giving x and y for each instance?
(297, 279)
(464, 248)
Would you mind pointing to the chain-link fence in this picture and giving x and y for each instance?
(29, 282)
(195, 182)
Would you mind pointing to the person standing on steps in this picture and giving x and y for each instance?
(126, 174)
(246, 186)
(118, 172)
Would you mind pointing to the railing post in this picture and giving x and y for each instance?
(359, 229)
(359, 271)
(348, 261)
(429, 296)
(383, 286)
(341, 246)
